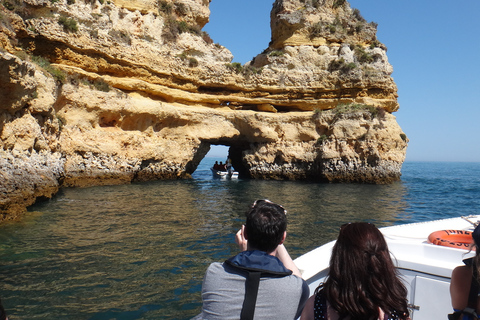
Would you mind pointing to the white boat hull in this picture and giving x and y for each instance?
(224, 174)
(425, 268)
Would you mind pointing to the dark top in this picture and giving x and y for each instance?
(320, 308)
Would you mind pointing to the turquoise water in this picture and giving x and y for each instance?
(139, 251)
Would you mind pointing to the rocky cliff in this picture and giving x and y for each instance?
(96, 92)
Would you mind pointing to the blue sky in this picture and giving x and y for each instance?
(433, 46)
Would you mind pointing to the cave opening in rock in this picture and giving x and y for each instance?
(220, 151)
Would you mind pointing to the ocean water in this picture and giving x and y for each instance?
(139, 251)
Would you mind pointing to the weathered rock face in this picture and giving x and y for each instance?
(95, 93)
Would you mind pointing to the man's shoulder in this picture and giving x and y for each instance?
(292, 285)
(215, 268)
(222, 270)
(215, 265)
(293, 280)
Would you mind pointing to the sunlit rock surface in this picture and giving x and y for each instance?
(109, 92)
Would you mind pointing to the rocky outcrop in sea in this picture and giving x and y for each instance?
(108, 92)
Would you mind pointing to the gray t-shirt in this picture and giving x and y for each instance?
(223, 292)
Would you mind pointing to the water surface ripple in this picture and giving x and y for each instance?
(139, 251)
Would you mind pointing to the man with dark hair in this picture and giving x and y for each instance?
(261, 282)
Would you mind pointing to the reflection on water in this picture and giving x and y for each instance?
(140, 251)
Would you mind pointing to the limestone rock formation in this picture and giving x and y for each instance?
(105, 92)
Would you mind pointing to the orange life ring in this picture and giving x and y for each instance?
(452, 238)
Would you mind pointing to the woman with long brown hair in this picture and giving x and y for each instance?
(362, 283)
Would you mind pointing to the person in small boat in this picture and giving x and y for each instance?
(222, 167)
(465, 287)
(362, 282)
(216, 166)
(262, 281)
(228, 165)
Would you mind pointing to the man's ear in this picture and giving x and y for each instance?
(245, 234)
(283, 238)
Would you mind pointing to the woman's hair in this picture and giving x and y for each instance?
(362, 276)
(3, 315)
(265, 225)
(476, 258)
